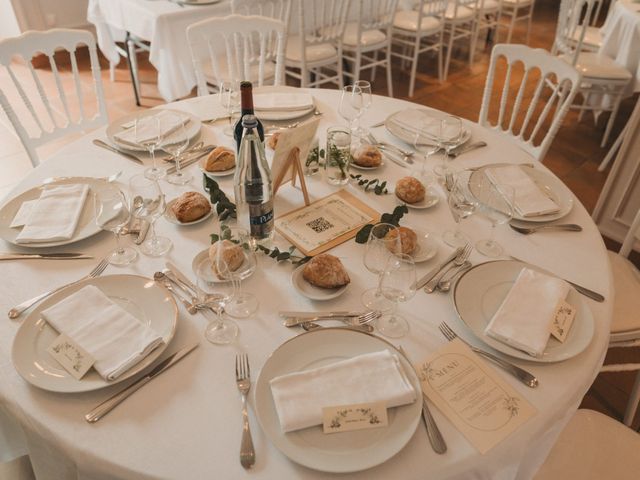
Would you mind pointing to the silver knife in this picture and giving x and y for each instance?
(286, 314)
(421, 282)
(109, 404)
(43, 256)
(181, 277)
(105, 145)
(191, 160)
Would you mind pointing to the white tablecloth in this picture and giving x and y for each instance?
(186, 424)
(621, 38)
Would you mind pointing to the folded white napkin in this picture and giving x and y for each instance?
(414, 121)
(55, 215)
(169, 123)
(524, 319)
(282, 102)
(114, 338)
(373, 377)
(530, 200)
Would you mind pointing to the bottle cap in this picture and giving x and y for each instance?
(249, 121)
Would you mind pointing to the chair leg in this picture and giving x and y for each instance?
(529, 24)
(475, 33)
(112, 72)
(375, 60)
(449, 48)
(440, 73)
(133, 66)
(514, 13)
(340, 77)
(356, 66)
(611, 121)
(612, 151)
(634, 398)
(389, 76)
(584, 105)
(414, 66)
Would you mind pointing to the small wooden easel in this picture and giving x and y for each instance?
(289, 171)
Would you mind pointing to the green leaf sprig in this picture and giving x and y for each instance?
(281, 256)
(379, 187)
(225, 208)
(392, 218)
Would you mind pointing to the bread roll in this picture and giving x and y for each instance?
(232, 256)
(325, 271)
(190, 206)
(367, 156)
(272, 142)
(408, 240)
(410, 190)
(220, 159)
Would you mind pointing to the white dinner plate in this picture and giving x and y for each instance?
(403, 124)
(311, 291)
(426, 247)
(201, 266)
(213, 175)
(481, 290)
(340, 452)
(171, 217)
(193, 127)
(196, 2)
(141, 297)
(86, 224)
(548, 183)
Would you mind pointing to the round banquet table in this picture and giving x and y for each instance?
(621, 38)
(186, 423)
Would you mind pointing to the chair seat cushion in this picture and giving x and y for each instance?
(314, 53)
(592, 65)
(626, 307)
(489, 5)
(269, 71)
(369, 37)
(463, 13)
(592, 37)
(408, 20)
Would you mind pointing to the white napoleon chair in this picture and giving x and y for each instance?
(237, 48)
(593, 447)
(517, 11)
(604, 82)
(276, 9)
(459, 24)
(488, 14)
(41, 112)
(419, 31)
(537, 87)
(369, 35)
(316, 46)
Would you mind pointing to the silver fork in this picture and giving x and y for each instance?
(243, 380)
(16, 311)
(431, 286)
(353, 320)
(525, 377)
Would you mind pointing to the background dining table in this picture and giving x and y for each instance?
(621, 38)
(186, 424)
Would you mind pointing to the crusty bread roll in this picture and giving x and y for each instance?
(367, 156)
(232, 256)
(410, 190)
(190, 206)
(325, 271)
(408, 240)
(272, 142)
(220, 159)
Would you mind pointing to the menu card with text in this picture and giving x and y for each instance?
(472, 396)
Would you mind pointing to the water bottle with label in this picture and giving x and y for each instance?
(253, 185)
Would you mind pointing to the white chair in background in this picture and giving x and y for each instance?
(532, 120)
(317, 45)
(418, 31)
(38, 116)
(460, 23)
(517, 11)
(593, 447)
(236, 48)
(602, 77)
(625, 325)
(369, 35)
(488, 14)
(276, 9)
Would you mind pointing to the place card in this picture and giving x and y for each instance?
(360, 416)
(480, 404)
(562, 320)
(75, 359)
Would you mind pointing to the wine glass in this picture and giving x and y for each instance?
(367, 100)
(220, 330)
(382, 243)
(351, 106)
(174, 145)
(450, 136)
(148, 203)
(426, 141)
(112, 213)
(462, 205)
(398, 284)
(234, 260)
(496, 204)
(228, 99)
(147, 135)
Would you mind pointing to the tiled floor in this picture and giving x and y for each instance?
(574, 155)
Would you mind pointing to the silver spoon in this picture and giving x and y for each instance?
(166, 281)
(567, 227)
(309, 326)
(445, 285)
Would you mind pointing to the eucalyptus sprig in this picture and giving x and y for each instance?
(392, 218)
(379, 187)
(224, 207)
(280, 256)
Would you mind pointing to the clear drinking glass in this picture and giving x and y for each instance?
(175, 144)
(147, 135)
(450, 136)
(220, 330)
(337, 156)
(383, 242)
(229, 99)
(398, 285)
(462, 205)
(112, 213)
(367, 100)
(426, 141)
(148, 203)
(351, 107)
(497, 206)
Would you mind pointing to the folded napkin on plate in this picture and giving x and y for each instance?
(530, 200)
(55, 215)
(169, 123)
(282, 102)
(115, 338)
(413, 121)
(524, 319)
(372, 377)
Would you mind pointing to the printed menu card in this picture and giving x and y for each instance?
(470, 394)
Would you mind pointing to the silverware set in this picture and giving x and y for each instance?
(442, 275)
(458, 262)
(360, 321)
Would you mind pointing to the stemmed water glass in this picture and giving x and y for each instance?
(112, 213)
(426, 141)
(220, 330)
(496, 204)
(228, 98)
(383, 241)
(351, 106)
(461, 204)
(148, 203)
(398, 285)
(367, 100)
(147, 135)
(175, 144)
(450, 137)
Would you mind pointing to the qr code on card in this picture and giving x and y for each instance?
(319, 225)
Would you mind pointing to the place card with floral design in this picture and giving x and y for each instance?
(75, 359)
(562, 320)
(472, 396)
(361, 416)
